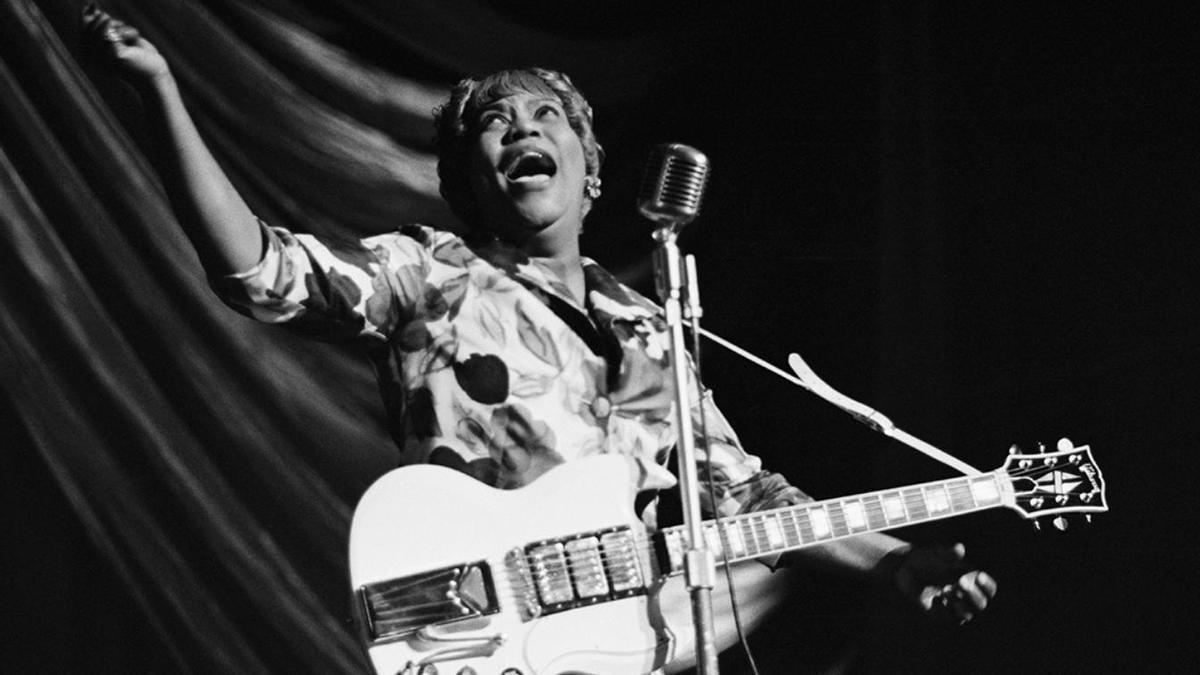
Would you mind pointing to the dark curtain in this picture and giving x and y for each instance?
(975, 219)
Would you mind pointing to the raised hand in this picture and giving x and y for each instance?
(119, 45)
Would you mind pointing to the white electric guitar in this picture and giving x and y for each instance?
(451, 576)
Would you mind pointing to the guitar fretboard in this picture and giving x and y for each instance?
(764, 533)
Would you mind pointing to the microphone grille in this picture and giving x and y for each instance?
(673, 183)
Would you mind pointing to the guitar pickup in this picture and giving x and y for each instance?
(584, 569)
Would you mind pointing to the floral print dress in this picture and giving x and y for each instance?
(488, 366)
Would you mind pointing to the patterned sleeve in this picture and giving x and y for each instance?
(741, 483)
(332, 290)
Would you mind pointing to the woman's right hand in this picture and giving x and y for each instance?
(121, 46)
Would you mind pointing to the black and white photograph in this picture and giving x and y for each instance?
(469, 337)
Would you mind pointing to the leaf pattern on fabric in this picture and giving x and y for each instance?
(491, 325)
(329, 312)
(415, 337)
(531, 386)
(398, 296)
(525, 446)
(454, 292)
(599, 281)
(441, 352)
(381, 309)
(471, 431)
(453, 252)
(435, 305)
(535, 338)
(654, 343)
(335, 298)
(483, 377)
(353, 253)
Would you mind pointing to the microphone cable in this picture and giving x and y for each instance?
(712, 490)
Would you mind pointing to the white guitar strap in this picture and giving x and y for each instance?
(805, 378)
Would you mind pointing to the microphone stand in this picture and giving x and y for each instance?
(699, 566)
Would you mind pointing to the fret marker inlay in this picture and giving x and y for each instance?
(856, 516)
(937, 500)
(774, 532)
(820, 522)
(734, 534)
(893, 507)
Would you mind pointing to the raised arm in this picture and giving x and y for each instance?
(216, 218)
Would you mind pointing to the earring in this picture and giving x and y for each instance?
(591, 187)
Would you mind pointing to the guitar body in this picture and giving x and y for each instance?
(424, 518)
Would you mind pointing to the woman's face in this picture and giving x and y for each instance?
(527, 167)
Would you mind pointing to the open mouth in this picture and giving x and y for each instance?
(530, 166)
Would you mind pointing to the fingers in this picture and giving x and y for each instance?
(104, 29)
(967, 597)
(987, 584)
(972, 590)
(932, 597)
(959, 551)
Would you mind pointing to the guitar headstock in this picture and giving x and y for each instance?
(1055, 483)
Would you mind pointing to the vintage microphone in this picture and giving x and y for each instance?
(673, 184)
(670, 195)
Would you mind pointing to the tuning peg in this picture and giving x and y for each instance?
(1037, 524)
(1013, 449)
(1060, 524)
(1064, 444)
(1041, 448)
(1087, 517)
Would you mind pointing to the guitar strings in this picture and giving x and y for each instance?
(757, 536)
(756, 532)
(751, 530)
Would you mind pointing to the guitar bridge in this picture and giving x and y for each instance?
(396, 608)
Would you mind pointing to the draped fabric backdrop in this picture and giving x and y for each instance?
(972, 219)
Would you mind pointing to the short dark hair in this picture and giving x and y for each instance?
(455, 119)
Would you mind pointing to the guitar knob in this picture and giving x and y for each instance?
(510, 671)
(428, 669)
(466, 670)
(1060, 524)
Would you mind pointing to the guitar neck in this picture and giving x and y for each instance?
(790, 528)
